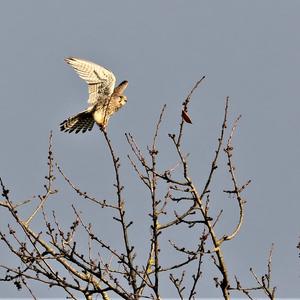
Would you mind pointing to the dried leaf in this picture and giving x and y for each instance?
(186, 117)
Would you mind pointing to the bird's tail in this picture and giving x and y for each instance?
(81, 122)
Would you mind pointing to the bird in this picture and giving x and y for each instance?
(104, 98)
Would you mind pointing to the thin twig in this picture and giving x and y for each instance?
(185, 108)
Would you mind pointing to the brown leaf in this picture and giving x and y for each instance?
(186, 117)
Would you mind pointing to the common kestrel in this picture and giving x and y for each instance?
(104, 99)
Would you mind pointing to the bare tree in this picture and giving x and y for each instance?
(54, 256)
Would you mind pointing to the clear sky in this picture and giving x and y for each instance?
(248, 50)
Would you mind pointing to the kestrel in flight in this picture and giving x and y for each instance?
(104, 98)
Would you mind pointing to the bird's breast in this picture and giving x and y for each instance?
(99, 117)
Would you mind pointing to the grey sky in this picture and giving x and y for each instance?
(249, 51)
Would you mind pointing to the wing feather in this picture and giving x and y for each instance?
(101, 82)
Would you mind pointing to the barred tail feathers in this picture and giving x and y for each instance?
(81, 122)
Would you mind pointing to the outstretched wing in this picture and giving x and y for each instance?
(119, 90)
(101, 82)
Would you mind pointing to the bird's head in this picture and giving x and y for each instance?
(122, 100)
(118, 97)
(118, 101)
